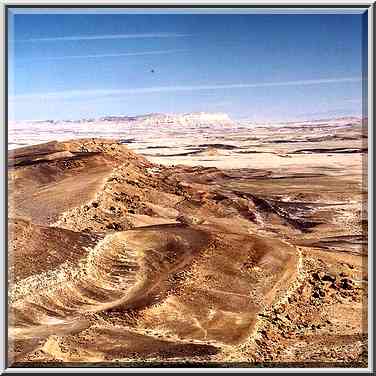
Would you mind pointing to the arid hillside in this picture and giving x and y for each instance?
(115, 258)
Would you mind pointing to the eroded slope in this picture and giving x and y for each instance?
(118, 259)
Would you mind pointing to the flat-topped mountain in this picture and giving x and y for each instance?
(193, 118)
(187, 118)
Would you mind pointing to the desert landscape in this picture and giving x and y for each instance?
(188, 240)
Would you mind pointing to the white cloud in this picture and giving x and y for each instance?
(163, 89)
(106, 36)
(99, 56)
(354, 100)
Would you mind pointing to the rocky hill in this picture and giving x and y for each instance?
(114, 259)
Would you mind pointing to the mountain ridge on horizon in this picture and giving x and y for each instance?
(152, 115)
(176, 117)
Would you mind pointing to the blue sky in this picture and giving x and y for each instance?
(257, 66)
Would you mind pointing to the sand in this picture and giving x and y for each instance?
(244, 258)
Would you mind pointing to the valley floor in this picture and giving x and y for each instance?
(247, 249)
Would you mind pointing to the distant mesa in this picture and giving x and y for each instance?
(194, 118)
(183, 119)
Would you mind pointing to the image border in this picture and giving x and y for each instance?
(368, 180)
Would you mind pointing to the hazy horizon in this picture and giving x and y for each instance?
(308, 118)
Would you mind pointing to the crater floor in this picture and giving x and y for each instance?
(261, 259)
